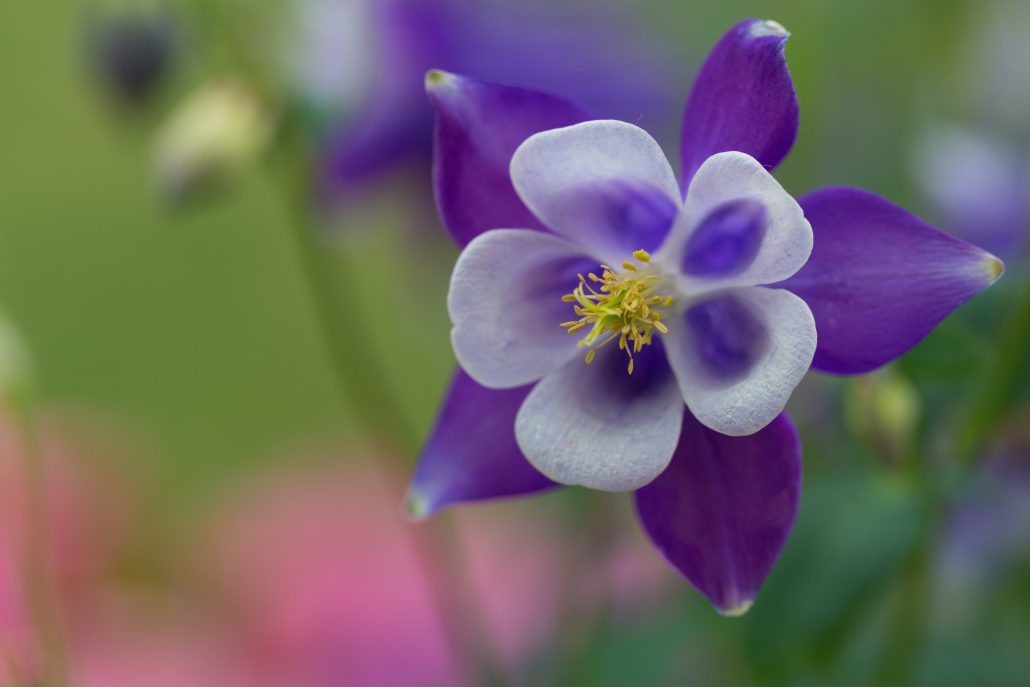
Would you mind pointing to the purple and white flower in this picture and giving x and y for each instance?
(695, 307)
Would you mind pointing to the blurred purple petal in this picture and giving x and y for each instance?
(591, 61)
(479, 126)
(880, 279)
(723, 509)
(727, 240)
(743, 99)
(586, 50)
(471, 454)
(381, 118)
(986, 539)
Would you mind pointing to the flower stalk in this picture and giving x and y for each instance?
(360, 377)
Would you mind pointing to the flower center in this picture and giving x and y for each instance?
(625, 305)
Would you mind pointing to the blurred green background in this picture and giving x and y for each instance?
(193, 331)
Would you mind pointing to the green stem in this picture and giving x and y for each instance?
(361, 376)
(582, 619)
(907, 636)
(362, 379)
(1001, 382)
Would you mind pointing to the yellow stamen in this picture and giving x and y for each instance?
(625, 307)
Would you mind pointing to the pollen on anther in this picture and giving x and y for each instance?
(624, 307)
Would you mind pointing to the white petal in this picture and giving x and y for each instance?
(506, 308)
(745, 404)
(599, 427)
(733, 176)
(568, 178)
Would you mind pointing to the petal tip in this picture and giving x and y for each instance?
(738, 609)
(995, 268)
(768, 27)
(417, 508)
(437, 78)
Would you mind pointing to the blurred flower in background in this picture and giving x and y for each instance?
(307, 577)
(54, 553)
(332, 587)
(357, 68)
(350, 76)
(129, 640)
(988, 537)
(978, 182)
(975, 169)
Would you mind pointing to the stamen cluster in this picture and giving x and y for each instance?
(624, 306)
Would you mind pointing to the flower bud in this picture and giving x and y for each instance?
(883, 410)
(216, 131)
(131, 51)
(15, 364)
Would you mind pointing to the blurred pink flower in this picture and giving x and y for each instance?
(324, 571)
(125, 643)
(322, 568)
(82, 522)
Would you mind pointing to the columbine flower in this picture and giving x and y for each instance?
(693, 313)
(357, 67)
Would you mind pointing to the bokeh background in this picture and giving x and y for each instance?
(182, 373)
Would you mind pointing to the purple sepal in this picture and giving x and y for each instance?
(743, 99)
(723, 509)
(727, 240)
(880, 279)
(471, 454)
(478, 127)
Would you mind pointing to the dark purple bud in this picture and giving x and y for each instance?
(132, 52)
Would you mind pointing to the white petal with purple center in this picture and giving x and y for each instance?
(739, 356)
(598, 427)
(506, 308)
(606, 185)
(732, 177)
